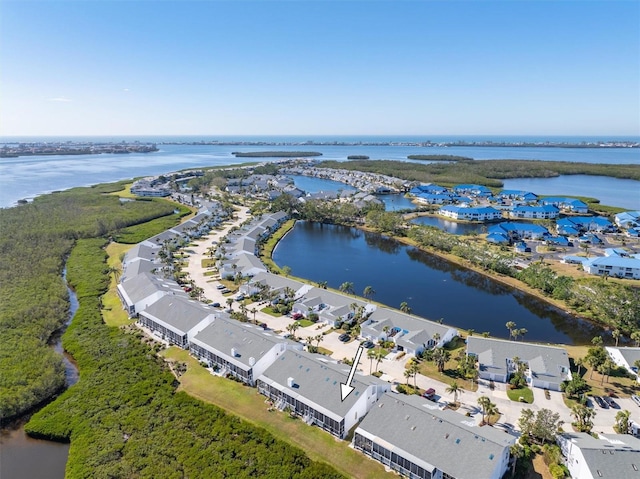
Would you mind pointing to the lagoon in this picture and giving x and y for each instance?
(434, 288)
(450, 226)
(610, 191)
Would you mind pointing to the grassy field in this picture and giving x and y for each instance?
(112, 312)
(525, 393)
(246, 403)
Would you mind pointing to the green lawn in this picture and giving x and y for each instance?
(516, 394)
(304, 323)
(247, 403)
(112, 312)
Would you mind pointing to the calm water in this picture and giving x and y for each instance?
(432, 287)
(18, 452)
(610, 191)
(396, 202)
(26, 177)
(449, 226)
(309, 184)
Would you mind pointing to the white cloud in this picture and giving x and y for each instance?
(125, 89)
(60, 99)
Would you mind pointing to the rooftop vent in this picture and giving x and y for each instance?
(234, 352)
(413, 428)
(252, 361)
(290, 382)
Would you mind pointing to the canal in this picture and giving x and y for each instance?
(23, 457)
(433, 288)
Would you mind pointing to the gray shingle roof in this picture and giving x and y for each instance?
(545, 362)
(181, 314)
(445, 439)
(390, 317)
(612, 456)
(630, 355)
(317, 379)
(144, 285)
(247, 341)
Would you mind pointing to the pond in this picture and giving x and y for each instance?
(433, 288)
(450, 226)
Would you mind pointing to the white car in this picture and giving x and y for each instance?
(636, 399)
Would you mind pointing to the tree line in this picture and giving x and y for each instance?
(124, 417)
(35, 239)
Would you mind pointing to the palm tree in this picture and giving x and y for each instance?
(323, 284)
(413, 369)
(616, 335)
(379, 357)
(115, 271)
(254, 311)
(407, 375)
(404, 307)
(292, 328)
(519, 332)
(346, 287)
(286, 270)
(623, 423)
(440, 357)
(368, 292)
(229, 302)
(579, 363)
(511, 326)
(318, 339)
(484, 402)
(371, 355)
(635, 336)
(455, 389)
(436, 338)
(583, 416)
(492, 410)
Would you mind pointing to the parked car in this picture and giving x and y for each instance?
(216, 305)
(225, 290)
(368, 344)
(344, 337)
(612, 403)
(296, 316)
(221, 286)
(636, 399)
(429, 393)
(240, 297)
(601, 402)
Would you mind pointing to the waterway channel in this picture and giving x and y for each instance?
(433, 287)
(23, 457)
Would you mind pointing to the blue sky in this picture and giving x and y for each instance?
(324, 67)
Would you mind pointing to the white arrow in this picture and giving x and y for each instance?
(346, 389)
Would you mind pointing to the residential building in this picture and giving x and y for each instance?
(140, 291)
(546, 366)
(242, 350)
(626, 357)
(584, 224)
(309, 386)
(410, 333)
(607, 456)
(614, 265)
(410, 435)
(176, 319)
(627, 219)
(510, 232)
(534, 212)
(472, 190)
(331, 308)
(571, 205)
(470, 213)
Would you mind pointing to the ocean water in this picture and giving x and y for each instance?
(27, 177)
